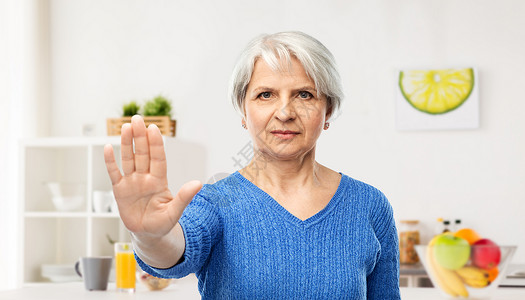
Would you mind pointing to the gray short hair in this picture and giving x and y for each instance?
(316, 59)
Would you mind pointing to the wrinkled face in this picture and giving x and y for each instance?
(283, 114)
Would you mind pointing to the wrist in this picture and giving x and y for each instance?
(159, 251)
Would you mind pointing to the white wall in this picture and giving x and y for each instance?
(105, 53)
(6, 213)
(24, 110)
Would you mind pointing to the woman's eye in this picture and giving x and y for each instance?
(305, 95)
(265, 95)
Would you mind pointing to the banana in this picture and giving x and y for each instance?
(439, 280)
(477, 283)
(474, 277)
(448, 280)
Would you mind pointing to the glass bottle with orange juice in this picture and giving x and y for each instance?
(126, 267)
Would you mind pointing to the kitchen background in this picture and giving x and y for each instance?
(68, 65)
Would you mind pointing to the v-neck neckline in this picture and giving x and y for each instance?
(287, 214)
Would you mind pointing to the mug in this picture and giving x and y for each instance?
(95, 272)
(102, 201)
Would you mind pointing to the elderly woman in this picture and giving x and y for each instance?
(283, 227)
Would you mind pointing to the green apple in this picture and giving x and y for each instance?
(451, 252)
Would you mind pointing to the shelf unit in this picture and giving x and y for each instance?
(56, 237)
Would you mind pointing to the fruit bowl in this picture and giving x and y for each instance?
(153, 283)
(471, 272)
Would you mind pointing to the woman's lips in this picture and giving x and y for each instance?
(285, 134)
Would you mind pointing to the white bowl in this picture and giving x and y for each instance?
(67, 196)
(60, 272)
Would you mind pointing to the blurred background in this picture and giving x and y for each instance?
(67, 66)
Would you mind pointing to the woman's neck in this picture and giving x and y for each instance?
(281, 174)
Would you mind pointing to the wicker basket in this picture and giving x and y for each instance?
(166, 126)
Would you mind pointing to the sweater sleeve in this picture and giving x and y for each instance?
(383, 281)
(202, 228)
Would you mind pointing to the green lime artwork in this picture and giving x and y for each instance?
(437, 99)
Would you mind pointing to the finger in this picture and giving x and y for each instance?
(141, 144)
(158, 166)
(126, 149)
(184, 197)
(111, 164)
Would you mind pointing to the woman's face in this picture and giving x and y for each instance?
(282, 111)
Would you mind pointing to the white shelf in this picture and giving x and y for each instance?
(54, 142)
(57, 237)
(57, 214)
(54, 214)
(54, 237)
(104, 215)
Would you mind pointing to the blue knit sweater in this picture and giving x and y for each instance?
(242, 244)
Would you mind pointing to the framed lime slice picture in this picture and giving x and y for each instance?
(437, 99)
(436, 91)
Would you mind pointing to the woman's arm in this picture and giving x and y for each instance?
(383, 282)
(153, 251)
(201, 227)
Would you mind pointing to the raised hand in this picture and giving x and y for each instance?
(146, 205)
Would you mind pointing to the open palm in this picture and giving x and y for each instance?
(146, 205)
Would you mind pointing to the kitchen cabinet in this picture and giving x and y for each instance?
(413, 276)
(57, 237)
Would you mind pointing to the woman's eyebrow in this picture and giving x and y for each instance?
(306, 88)
(262, 88)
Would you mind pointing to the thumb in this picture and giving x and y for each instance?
(184, 197)
(188, 191)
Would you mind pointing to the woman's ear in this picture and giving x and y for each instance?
(244, 110)
(329, 110)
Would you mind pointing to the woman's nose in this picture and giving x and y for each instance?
(286, 110)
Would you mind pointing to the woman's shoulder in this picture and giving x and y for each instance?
(370, 200)
(222, 186)
(356, 186)
(364, 194)
(348, 184)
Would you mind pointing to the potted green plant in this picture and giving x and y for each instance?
(130, 109)
(158, 106)
(154, 111)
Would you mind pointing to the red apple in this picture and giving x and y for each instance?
(485, 254)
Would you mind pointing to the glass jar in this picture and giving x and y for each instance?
(408, 238)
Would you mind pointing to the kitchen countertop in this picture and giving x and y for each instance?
(515, 274)
(416, 269)
(186, 288)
